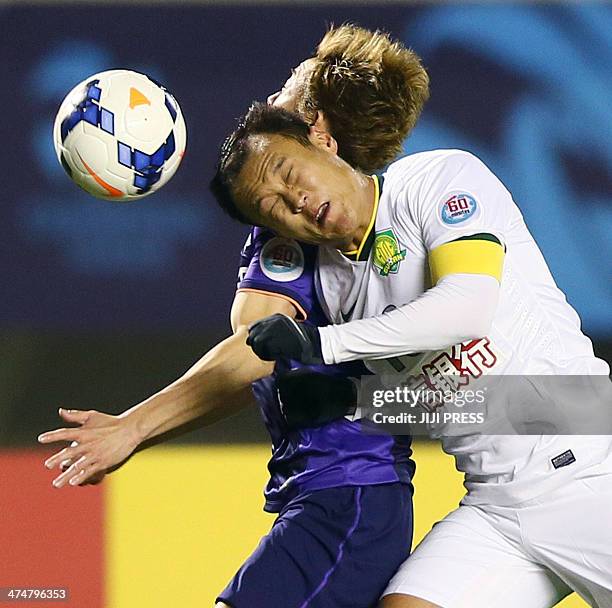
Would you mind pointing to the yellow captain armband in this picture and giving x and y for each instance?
(475, 254)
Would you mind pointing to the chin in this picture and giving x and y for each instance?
(343, 228)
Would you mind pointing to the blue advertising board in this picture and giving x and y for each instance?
(525, 87)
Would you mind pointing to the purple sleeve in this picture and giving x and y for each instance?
(279, 266)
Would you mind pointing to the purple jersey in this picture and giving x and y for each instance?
(338, 453)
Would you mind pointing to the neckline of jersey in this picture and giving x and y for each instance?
(362, 253)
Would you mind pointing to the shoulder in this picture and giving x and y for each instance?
(432, 163)
(415, 178)
(422, 180)
(447, 191)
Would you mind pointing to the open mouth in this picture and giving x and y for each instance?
(322, 214)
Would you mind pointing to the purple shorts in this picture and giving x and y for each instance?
(334, 548)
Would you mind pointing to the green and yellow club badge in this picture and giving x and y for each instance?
(387, 254)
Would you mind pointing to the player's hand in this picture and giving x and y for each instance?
(310, 399)
(99, 443)
(95, 479)
(280, 337)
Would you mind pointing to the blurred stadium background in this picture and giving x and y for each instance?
(103, 304)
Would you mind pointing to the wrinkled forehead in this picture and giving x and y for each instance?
(264, 154)
(260, 149)
(256, 152)
(266, 145)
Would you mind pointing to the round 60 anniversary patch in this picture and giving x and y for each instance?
(282, 260)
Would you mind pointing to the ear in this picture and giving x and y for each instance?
(323, 139)
(320, 122)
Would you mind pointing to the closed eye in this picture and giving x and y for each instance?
(274, 208)
(278, 164)
(268, 205)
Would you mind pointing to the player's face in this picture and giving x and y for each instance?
(289, 96)
(300, 192)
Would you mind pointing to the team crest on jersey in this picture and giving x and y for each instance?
(387, 255)
(457, 208)
(282, 260)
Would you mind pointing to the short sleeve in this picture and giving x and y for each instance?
(279, 266)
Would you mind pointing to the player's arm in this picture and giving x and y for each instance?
(225, 373)
(460, 307)
(207, 390)
(466, 274)
(466, 261)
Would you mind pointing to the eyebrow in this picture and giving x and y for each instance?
(278, 163)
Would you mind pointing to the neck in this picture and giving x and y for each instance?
(364, 205)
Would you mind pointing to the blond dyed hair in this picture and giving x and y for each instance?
(371, 89)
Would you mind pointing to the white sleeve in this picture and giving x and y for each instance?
(427, 323)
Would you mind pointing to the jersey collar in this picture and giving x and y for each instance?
(362, 253)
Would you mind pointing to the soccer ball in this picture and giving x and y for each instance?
(119, 135)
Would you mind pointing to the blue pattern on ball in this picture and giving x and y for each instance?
(124, 154)
(147, 168)
(171, 105)
(107, 121)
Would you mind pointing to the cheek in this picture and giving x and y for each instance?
(289, 226)
(274, 220)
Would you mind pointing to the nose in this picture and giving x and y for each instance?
(297, 200)
(272, 98)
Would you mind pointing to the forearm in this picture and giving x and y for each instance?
(242, 400)
(209, 390)
(459, 308)
(214, 388)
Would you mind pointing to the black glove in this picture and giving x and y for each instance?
(280, 337)
(310, 399)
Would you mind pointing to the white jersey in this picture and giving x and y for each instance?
(427, 200)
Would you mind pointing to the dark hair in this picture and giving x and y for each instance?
(261, 118)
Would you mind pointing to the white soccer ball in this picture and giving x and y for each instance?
(119, 135)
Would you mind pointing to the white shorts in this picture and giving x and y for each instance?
(529, 555)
